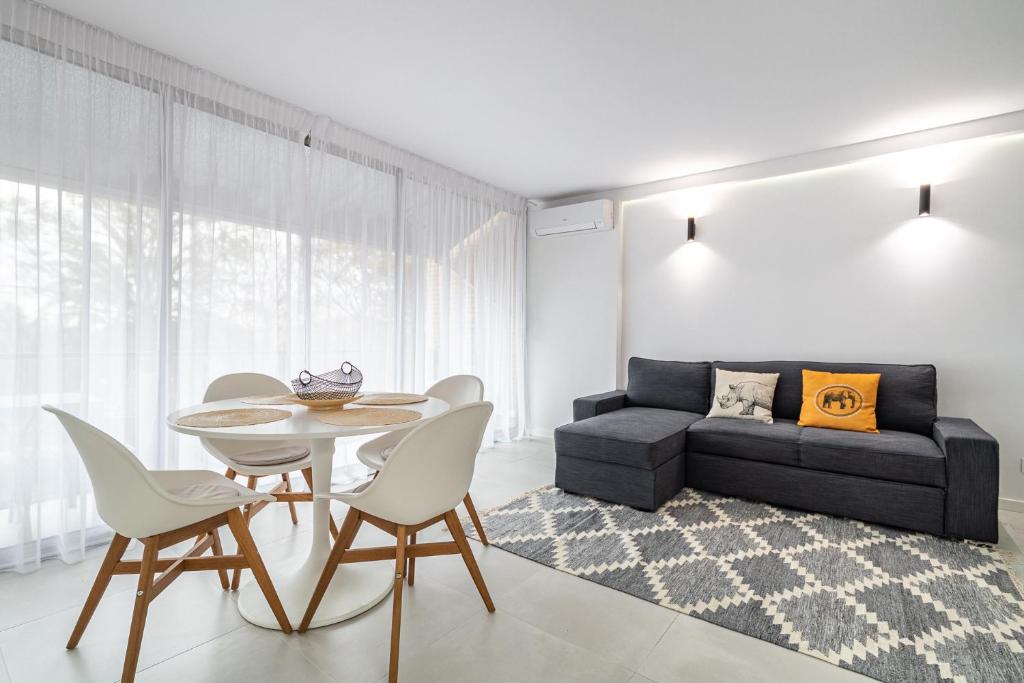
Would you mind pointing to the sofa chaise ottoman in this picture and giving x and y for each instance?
(640, 446)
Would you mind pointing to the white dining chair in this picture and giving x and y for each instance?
(161, 509)
(419, 485)
(457, 390)
(257, 459)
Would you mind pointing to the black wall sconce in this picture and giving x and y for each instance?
(924, 200)
(691, 229)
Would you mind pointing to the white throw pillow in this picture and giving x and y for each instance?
(744, 395)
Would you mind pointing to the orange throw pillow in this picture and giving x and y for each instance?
(840, 401)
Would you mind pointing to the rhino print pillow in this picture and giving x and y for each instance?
(744, 395)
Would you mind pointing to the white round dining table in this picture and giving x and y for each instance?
(355, 587)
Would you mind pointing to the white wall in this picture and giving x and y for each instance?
(572, 307)
(833, 265)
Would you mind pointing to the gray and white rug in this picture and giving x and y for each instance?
(890, 604)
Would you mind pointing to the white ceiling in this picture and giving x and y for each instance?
(553, 97)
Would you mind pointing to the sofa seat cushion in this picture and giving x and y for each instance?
(778, 442)
(636, 437)
(889, 455)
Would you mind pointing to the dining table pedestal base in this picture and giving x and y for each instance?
(354, 589)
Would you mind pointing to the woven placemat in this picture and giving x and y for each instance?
(368, 417)
(236, 417)
(269, 399)
(391, 399)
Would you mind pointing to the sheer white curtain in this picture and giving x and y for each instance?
(160, 226)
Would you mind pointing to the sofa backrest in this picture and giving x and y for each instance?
(907, 394)
(669, 384)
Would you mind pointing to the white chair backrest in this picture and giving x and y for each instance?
(430, 470)
(458, 390)
(127, 497)
(240, 385)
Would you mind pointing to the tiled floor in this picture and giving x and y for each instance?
(548, 626)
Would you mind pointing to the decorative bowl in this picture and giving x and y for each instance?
(337, 385)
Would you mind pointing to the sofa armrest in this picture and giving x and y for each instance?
(972, 478)
(590, 406)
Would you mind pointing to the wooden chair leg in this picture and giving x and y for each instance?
(236, 575)
(396, 606)
(291, 504)
(468, 502)
(230, 474)
(412, 561)
(349, 527)
(252, 554)
(148, 566)
(99, 586)
(452, 520)
(218, 550)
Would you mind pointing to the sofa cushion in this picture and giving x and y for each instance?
(778, 442)
(906, 393)
(637, 437)
(840, 400)
(890, 455)
(669, 384)
(743, 395)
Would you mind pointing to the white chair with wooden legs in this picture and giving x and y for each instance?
(161, 509)
(420, 484)
(457, 390)
(257, 459)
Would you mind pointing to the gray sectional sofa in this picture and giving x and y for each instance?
(640, 446)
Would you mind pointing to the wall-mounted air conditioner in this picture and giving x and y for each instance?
(592, 216)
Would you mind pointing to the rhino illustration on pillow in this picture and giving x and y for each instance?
(750, 395)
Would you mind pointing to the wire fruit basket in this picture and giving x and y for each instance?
(330, 389)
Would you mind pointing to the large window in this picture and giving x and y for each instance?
(160, 227)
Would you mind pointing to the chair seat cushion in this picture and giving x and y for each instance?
(636, 437)
(778, 442)
(203, 491)
(373, 457)
(890, 455)
(278, 455)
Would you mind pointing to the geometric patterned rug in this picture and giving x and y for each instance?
(890, 604)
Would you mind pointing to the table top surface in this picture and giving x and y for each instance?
(303, 424)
